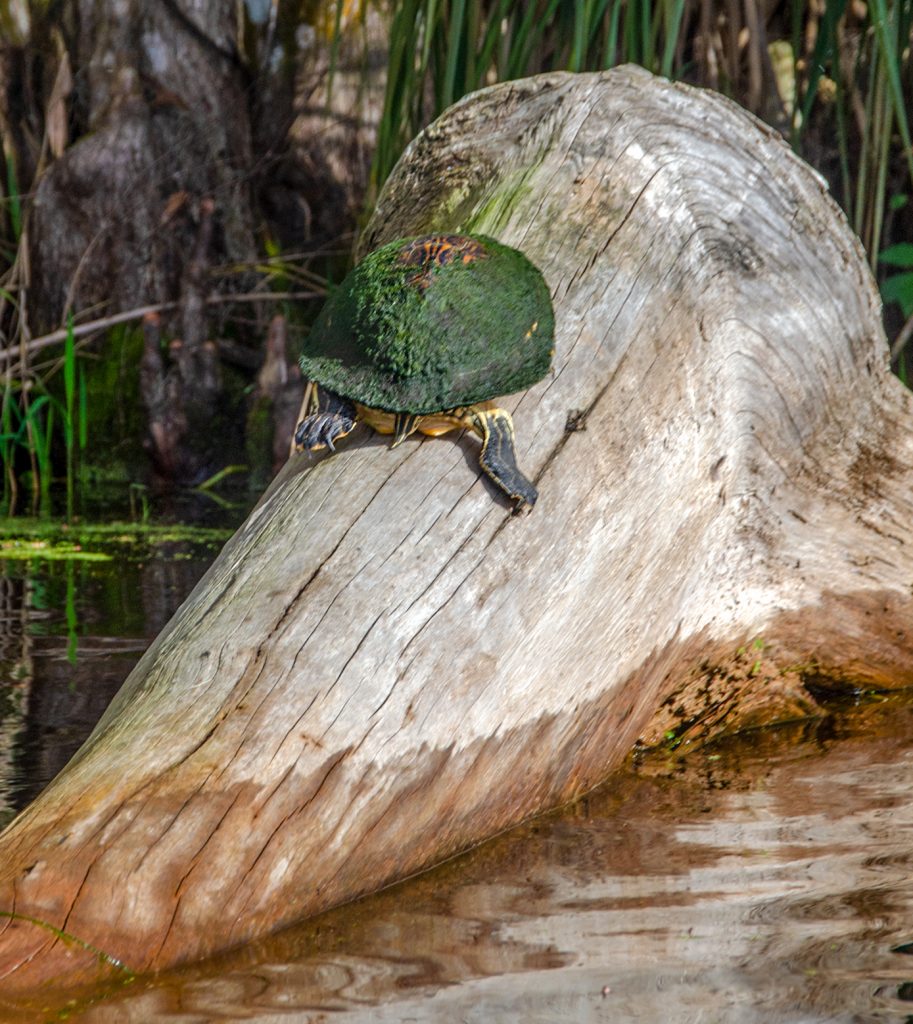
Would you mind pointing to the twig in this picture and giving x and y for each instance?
(55, 337)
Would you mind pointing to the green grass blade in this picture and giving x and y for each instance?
(532, 30)
(862, 176)
(403, 88)
(823, 53)
(455, 43)
(490, 40)
(647, 52)
(69, 370)
(610, 42)
(429, 22)
(334, 47)
(675, 10)
(886, 40)
(520, 45)
(843, 143)
(880, 191)
(474, 16)
(83, 411)
(69, 390)
(37, 405)
(578, 42)
(6, 446)
(42, 437)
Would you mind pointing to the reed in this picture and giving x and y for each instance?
(29, 417)
(44, 461)
(7, 447)
(442, 49)
(69, 426)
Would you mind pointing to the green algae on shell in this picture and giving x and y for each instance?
(446, 336)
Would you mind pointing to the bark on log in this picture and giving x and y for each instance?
(384, 666)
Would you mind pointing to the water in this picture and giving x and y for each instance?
(766, 880)
(72, 628)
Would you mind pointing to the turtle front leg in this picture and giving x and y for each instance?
(498, 458)
(333, 418)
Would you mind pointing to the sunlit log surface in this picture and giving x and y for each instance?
(384, 666)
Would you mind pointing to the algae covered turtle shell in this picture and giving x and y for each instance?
(433, 323)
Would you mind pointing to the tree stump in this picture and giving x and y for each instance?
(385, 667)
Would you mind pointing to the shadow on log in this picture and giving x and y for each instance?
(384, 667)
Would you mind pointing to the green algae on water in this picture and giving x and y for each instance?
(27, 539)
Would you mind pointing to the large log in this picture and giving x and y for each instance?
(384, 666)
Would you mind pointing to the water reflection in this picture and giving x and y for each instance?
(766, 881)
(70, 632)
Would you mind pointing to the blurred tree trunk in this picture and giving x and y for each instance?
(133, 127)
(160, 113)
(154, 191)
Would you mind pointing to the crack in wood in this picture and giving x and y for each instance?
(348, 662)
(173, 821)
(294, 726)
(294, 813)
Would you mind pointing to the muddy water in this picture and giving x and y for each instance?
(769, 880)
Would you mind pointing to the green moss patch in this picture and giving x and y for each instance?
(57, 552)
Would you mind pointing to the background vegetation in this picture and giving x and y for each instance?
(359, 80)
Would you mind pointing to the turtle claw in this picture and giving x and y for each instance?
(321, 429)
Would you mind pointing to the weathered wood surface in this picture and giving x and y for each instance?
(384, 666)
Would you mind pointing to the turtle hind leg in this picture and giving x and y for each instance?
(333, 419)
(498, 458)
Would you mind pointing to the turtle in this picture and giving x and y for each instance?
(422, 335)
